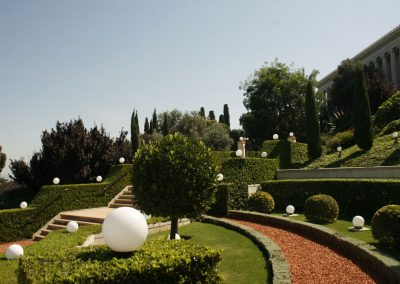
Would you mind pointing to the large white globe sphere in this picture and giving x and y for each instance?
(291, 134)
(14, 251)
(275, 136)
(99, 178)
(125, 229)
(239, 153)
(72, 227)
(122, 160)
(220, 177)
(23, 205)
(177, 237)
(56, 180)
(358, 222)
(264, 154)
(290, 209)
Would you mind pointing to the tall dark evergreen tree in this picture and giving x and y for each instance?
(137, 122)
(202, 112)
(146, 126)
(165, 125)
(313, 134)
(211, 115)
(151, 128)
(134, 132)
(155, 120)
(3, 159)
(363, 134)
(226, 115)
(221, 119)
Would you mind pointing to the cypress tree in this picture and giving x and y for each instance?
(165, 125)
(151, 128)
(363, 135)
(134, 132)
(146, 126)
(211, 115)
(221, 119)
(137, 122)
(202, 112)
(155, 120)
(226, 115)
(313, 134)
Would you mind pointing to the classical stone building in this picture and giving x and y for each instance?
(383, 54)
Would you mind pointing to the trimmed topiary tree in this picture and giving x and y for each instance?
(363, 134)
(173, 177)
(313, 133)
(386, 225)
(388, 111)
(261, 202)
(321, 209)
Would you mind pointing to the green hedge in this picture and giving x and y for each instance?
(290, 155)
(157, 261)
(391, 127)
(52, 199)
(355, 197)
(219, 156)
(221, 205)
(242, 172)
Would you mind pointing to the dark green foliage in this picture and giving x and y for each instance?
(313, 134)
(53, 199)
(274, 99)
(21, 173)
(235, 134)
(122, 147)
(154, 121)
(227, 119)
(165, 125)
(345, 139)
(391, 127)
(221, 118)
(216, 136)
(242, 172)
(321, 209)
(221, 204)
(388, 111)
(146, 126)
(157, 261)
(219, 156)
(355, 197)
(211, 115)
(386, 225)
(12, 194)
(173, 177)
(3, 158)
(290, 155)
(202, 112)
(363, 134)
(261, 202)
(134, 132)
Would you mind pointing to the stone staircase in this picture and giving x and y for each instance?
(123, 199)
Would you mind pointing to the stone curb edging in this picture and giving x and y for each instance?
(384, 267)
(279, 267)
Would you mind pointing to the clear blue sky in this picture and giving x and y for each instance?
(98, 60)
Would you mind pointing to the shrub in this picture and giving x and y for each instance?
(157, 261)
(221, 204)
(261, 202)
(388, 111)
(345, 139)
(386, 225)
(242, 172)
(321, 209)
(290, 155)
(391, 127)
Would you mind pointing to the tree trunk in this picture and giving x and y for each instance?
(174, 227)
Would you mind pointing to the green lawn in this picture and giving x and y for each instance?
(242, 261)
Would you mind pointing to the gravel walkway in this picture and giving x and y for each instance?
(311, 262)
(4, 246)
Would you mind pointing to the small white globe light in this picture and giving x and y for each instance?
(56, 180)
(220, 177)
(14, 251)
(239, 153)
(177, 237)
(264, 154)
(72, 227)
(339, 149)
(275, 136)
(99, 178)
(358, 222)
(395, 134)
(290, 209)
(23, 205)
(291, 134)
(121, 160)
(241, 138)
(125, 229)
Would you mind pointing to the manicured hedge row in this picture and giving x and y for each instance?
(355, 197)
(219, 156)
(221, 204)
(157, 261)
(242, 172)
(53, 199)
(290, 155)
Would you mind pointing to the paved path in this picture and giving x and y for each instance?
(100, 212)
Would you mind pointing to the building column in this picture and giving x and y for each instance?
(387, 66)
(395, 64)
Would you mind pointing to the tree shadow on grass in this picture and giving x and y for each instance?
(340, 162)
(394, 158)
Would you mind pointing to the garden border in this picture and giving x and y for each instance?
(380, 265)
(280, 270)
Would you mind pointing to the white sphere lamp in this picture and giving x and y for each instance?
(23, 205)
(121, 160)
(99, 178)
(290, 209)
(14, 251)
(395, 134)
(358, 222)
(291, 134)
(264, 154)
(177, 237)
(241, 138)
(56, 180)
(220, 177)
(72, 227)
(239, 153)
(125, 229)
(339, 149)
(275, 136)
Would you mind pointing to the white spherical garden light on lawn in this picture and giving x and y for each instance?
(125, 229)
(291, 134)
(99, 178)
(56, 180)
(177, 237)
(14, 251)
(23, 205)
(239, 153)
(275, 136)
(290, 209)
(264, 154)
(358, 222)
(220, 177)
(72, 227)
(121, 160)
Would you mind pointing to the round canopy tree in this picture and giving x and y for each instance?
(173, 177)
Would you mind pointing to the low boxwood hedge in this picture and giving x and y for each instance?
(219, 156)
(52, 199)
(221, 205)
(157, 261)
(355, 197)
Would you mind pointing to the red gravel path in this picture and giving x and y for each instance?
(311, 262)
(4, 246)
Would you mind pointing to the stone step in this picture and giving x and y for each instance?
(81, 223)
(38, 237)
(123, 201)
(114, 205)
(45, 232)
(55, 227)
(77, 218)
(126, 196)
